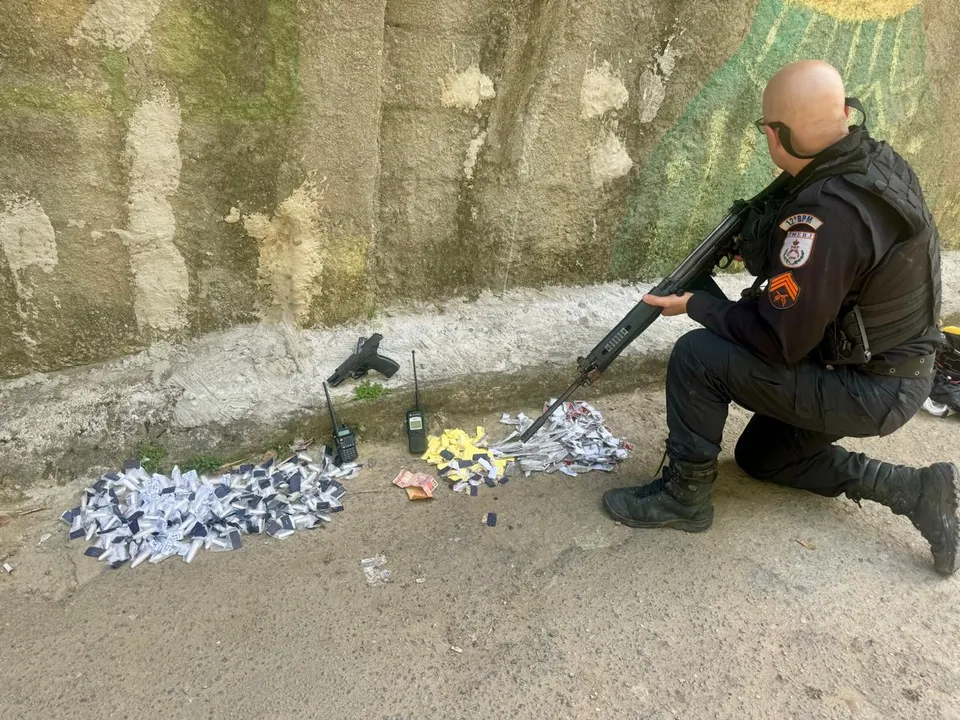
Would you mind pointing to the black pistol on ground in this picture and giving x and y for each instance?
(344, 440)
(416, 421)
(364, 359)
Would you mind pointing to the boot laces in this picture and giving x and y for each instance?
(652, 488)
(658, 484)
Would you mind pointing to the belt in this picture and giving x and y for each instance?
(923, 366)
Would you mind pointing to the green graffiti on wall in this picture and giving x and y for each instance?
(714, 155)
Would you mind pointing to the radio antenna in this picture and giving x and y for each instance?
(333, 417)
(416, 385)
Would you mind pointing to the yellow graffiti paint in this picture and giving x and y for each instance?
(913, 105)
(852, 54)
(877, 39)
(913, 145)
(748, 146)
(832, 35)
(854, 10)
(677, 169)
(772, 35)
(718, 124)
(806, 32)
(895, 59)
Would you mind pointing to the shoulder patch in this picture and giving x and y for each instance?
(797, 248)
(801, 219)
(783, 291)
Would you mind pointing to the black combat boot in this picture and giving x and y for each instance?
(679, 498)
(929, 496)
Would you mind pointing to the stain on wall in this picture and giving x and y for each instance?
(473, 152)
(465, 89)
(292, 247)
(29, 247)
(653, 81)
(159, 271)
(27, 240)
(229, 60)
(117, 24)
(609, 159)
(601, 92)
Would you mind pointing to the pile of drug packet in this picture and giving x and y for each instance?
(465, 462)
(136, 516)
(574, 440)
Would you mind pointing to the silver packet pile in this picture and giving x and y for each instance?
(134, 516)
(574, 440)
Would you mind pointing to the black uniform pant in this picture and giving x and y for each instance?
(800, 412)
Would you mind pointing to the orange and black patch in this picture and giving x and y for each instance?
(783, 291)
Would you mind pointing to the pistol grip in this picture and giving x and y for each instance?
(385, 366)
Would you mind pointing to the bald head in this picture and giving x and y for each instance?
(809, 98)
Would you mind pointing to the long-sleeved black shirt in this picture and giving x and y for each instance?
(825, 251)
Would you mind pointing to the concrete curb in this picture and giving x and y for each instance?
(239, 391)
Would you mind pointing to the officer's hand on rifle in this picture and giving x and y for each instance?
(671, 304)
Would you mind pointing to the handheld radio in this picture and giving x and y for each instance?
(416, 422)
(343, 437)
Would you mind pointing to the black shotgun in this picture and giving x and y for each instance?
(694, 273)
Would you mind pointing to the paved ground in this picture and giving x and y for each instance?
(792, 606)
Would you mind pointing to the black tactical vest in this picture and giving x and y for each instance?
(900, 297)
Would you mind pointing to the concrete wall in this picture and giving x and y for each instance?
(169, 168)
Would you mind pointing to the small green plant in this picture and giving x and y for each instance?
(203, 464)
(368, 391)
(284, 448)
(151, 456)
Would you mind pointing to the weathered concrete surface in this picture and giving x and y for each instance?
(559, 612)
(233, 392)
(206, 164)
